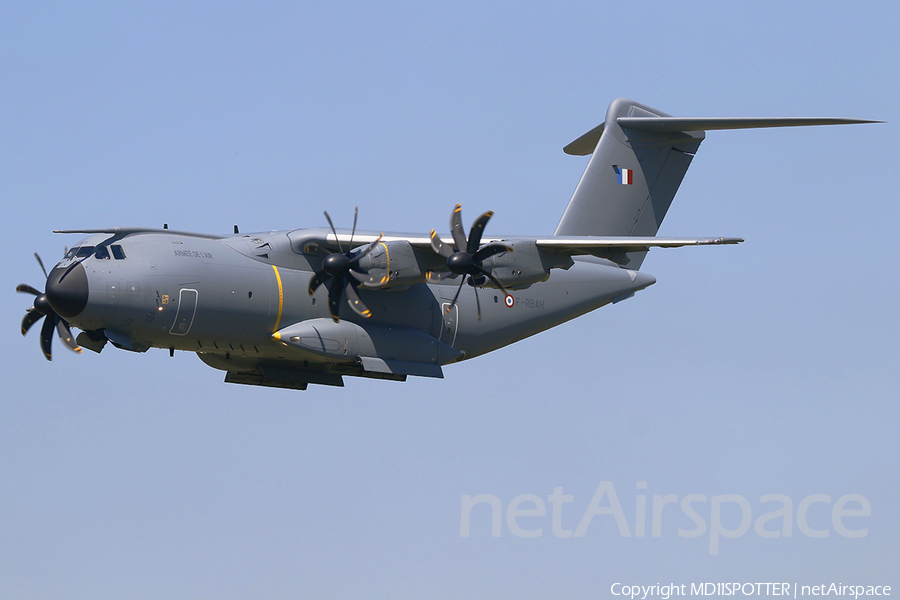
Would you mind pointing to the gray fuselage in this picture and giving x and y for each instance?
(224, 298)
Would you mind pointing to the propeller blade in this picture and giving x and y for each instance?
(368, 249)
(316, 280)
(456, 295)
(334, 231)
(47, 336)
(494, 279)
(40, 262)
(355, 303)
(353, 231)
(339, 266)
(334, 297)
(31, 317)
(477, 303)
(367, 280)
(456, 228)
(490, 250)
(65, 334)
(477, 230)
(440, 246)
(27, 289)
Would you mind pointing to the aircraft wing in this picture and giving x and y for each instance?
(573, 245)
(600, 246)
(614, 248)
(595, 244)
(561, 243)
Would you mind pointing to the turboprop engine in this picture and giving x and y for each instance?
(526, 265)
(392, 264)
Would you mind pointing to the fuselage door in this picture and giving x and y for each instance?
(448, 325)
(184, 316)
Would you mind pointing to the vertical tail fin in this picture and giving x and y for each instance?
(631, 178)
(640, 156)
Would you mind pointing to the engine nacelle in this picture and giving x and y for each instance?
(525, 265)
(392, 264)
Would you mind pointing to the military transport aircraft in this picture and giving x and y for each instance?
(290, 308)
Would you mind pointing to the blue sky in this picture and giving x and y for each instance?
(752, 370)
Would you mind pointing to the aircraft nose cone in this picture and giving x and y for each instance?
(67, 290)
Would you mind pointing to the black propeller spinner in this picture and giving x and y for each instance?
(52, 320)
(339, 267)
(465, 257)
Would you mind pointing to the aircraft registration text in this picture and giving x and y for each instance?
(530, 303)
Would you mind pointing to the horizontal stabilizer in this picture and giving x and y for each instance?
(586, 143)
(675, 124)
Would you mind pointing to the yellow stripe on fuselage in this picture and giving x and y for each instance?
(387, 271)
(280, 298)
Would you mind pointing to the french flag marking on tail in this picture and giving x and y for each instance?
(626, 176)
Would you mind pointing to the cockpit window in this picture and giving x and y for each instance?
(101, 252)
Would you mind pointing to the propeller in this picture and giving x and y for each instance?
(339, 268)
(464, 257)
(52, 321)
